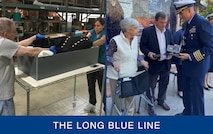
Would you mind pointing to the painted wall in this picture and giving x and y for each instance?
(127, 7)
(144, 8)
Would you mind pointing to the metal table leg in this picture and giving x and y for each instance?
(27, 89)
(28, 100)
(74, 93)
(102, 92)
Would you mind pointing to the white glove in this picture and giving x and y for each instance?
(45, 53)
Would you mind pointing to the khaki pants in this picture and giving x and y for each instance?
(127, 100)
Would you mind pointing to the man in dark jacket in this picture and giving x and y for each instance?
(154, 41)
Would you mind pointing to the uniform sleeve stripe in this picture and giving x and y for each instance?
(198, 56)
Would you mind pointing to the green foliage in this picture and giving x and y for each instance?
(208, 10)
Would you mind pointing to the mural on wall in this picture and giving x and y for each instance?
(145, 10)
(142, 10)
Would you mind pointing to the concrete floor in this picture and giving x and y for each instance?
(173, 100)
(57, 99)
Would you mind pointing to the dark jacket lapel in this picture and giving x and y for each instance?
(155, 39)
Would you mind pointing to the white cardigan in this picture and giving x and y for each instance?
(126, 56)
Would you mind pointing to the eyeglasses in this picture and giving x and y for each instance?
(181, 10)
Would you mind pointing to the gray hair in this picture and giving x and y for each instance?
(5, 24)
(128, 23)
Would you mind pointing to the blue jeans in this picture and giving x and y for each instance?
(7, 107)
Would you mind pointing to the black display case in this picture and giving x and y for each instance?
(43, 67)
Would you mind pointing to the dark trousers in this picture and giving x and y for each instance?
(193, 97)
(179, 76)
(163, 79)
(91, 80)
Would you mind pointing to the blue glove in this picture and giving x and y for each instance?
(40, 36)
(53, 49)
(78, 33)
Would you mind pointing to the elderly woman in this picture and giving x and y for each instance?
(122, 56)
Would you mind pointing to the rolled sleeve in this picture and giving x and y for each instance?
(140, 57)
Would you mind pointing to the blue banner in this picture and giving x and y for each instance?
(106, 124)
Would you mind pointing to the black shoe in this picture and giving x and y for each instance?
(151, 111)
(206, 88)
(209, 86)
(179, 114)
(164, 106)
